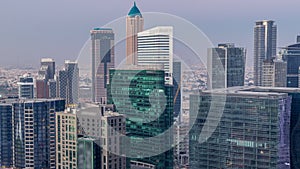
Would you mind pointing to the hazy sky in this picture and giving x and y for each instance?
(32, 29)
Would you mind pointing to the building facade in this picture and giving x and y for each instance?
(291, 54)
(26, 87)
(6, 135)
(155, 47)
(34, 132)
(274, 73)
(233, 60)
(265, 42)
(66, 139)
(112, 129)
(68, 87)
(142, 96)
(134, 25)
(103, 59)
(253, 131)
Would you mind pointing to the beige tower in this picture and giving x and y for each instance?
(134, 25)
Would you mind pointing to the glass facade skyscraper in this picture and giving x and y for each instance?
(68, 87)
(253, 131)
(6, 135)
(147, 103)
(265, 42)
(291, 54)
(34, 132)
(103, 59)
(233, 60)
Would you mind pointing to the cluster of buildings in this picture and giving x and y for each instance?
(146, 115)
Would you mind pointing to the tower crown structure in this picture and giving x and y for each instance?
(134, 11)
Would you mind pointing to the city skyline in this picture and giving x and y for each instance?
(66, 35)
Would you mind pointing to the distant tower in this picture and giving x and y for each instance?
(134, 25)
(155, 47)
(233, 61)
(265, 40)
(26, 86)
(103, 59)
(50, 63)
(46, 73)
(68, 87)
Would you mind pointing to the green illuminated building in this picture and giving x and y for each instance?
(142, 96)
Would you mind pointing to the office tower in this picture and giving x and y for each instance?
(52, 88)
(298, 39)
(265, 41)
(134, 25)
(26, 86)
(141, 95)
(68, 78)
(103, 59)
(155, 47)
(291, 54)
(88, 153)
(112, 129)
(6, 135)
(34, 132)
(46, 72)
(274, 73)
(253, 131)
(233, 60)
(66, 139)
(177, 87)
(50, 64)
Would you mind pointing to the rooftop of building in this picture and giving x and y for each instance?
(134, 11)
(254, 91)
(47, 60)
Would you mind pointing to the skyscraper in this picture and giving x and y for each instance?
(103, 59)
(134, 25)
(253, 131)
(46, 72)
(265, 41)
(6, 135)
(291, 54)
(233, 60)
(68, 87)
(50, 64)
(26, 86)
(155, 47)
(274, 73)
(34, 132)
(66, 139)
(141, 95)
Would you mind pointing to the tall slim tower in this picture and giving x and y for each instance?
(134, 25)
(68, 87)
(265, 40)
(103, 59)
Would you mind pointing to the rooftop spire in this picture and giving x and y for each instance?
(134, 11)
